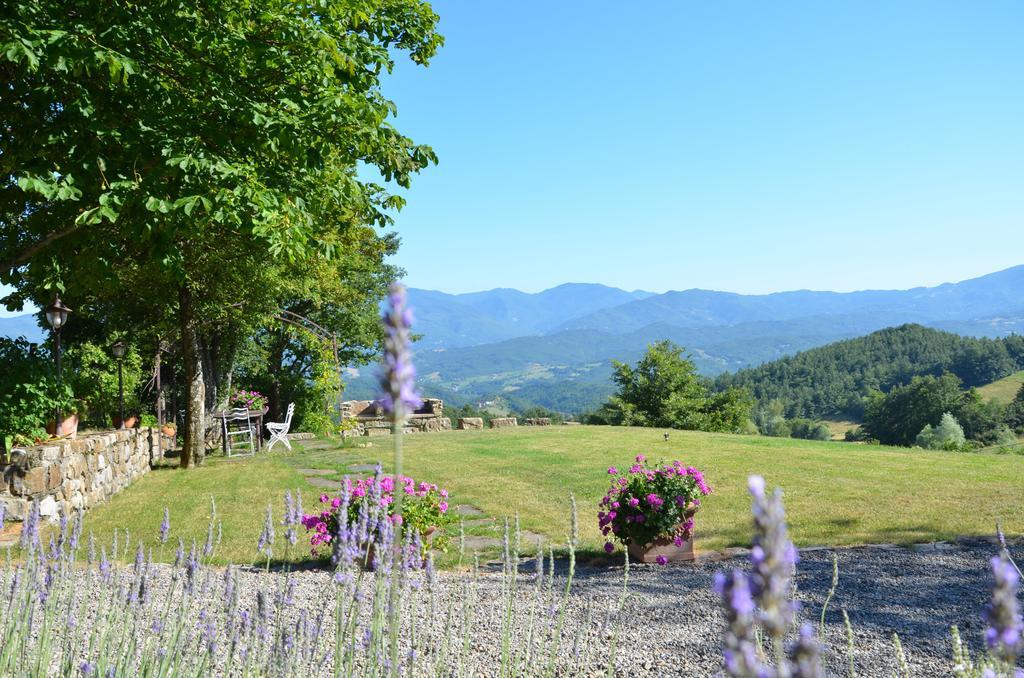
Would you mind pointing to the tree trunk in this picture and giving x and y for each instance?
(275, 366)
(194, 446)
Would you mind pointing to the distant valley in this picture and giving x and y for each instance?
(554, 348)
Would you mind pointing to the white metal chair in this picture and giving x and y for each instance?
(279, 431)
(238, 426)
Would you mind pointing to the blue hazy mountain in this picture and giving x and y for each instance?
(453, 320)
(21, 326)
(548, 349)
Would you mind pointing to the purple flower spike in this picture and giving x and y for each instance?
(165, 526)
(774, 559)
(1003, 635)
(740, 648)
(399, 396)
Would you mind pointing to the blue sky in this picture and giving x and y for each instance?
(749, 147)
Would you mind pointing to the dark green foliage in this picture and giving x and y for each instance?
(1015, 412)
(896, 418)
(835, 379)
(29, 393)
(664, 390)
(808, 429)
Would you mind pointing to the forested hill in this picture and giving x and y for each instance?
(833, 379)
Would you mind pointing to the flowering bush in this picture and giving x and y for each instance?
(250, 400)
(651, 501)
(368, 502)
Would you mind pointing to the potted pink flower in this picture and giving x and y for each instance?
(254, 401)
(649, 508)
(364, 504)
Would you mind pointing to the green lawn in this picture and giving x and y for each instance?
(1004, 390)
(836, 493)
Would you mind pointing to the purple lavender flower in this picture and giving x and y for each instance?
(806, 655)
(774, 559)
(86, 668)
(399, 396)
(740, 642)
(291, 519)
(266, 540)
(165, 526)
(1003, 635)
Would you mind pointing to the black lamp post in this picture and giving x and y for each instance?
(118, 348)
(57, 316)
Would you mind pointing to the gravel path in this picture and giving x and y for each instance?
(918, 593)
(672, 624)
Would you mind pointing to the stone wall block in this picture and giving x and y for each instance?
(31, 483)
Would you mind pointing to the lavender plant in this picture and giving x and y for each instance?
(760, 604)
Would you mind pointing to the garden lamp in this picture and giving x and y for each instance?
(57, 316)
(117, 349)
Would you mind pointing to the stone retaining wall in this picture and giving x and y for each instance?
(73, 474)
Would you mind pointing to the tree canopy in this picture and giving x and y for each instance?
(664, 390)
(835, 379)
(194, 169)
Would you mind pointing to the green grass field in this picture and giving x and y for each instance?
(1004, 390)
(835, 493)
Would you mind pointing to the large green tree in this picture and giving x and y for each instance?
(664, 390)
(209, 148)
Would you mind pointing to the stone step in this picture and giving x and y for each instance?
(324, 483)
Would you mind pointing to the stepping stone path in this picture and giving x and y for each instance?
(362, 468)
(315, 471)
(467, 510)
(325, 483)
(478, 521)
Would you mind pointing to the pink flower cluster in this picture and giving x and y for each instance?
(651, 501)
(378, 494)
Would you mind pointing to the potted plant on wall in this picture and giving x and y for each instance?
(650, 507)
(254, 401)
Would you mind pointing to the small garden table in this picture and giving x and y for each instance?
(255, 418)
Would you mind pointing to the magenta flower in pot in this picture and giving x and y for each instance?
(649, 508)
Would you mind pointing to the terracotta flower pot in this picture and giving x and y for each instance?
(665, 548)
(68, 427)
(168, 431)
(130, 421)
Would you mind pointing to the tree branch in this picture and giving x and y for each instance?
(11, 264)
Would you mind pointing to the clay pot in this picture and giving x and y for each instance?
(648, 553)
(168, 431)
(131, 421)
(68, 427)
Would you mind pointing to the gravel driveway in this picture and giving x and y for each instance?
(672, 623)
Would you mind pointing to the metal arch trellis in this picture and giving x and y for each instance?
(322, 333)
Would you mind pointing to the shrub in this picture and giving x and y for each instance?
(651, 501)
(948, 435)
(92, 373)
(807, 429)
(29, 393)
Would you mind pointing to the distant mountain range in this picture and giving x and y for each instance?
(543, 348)
(554, 348)
(21, 326)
